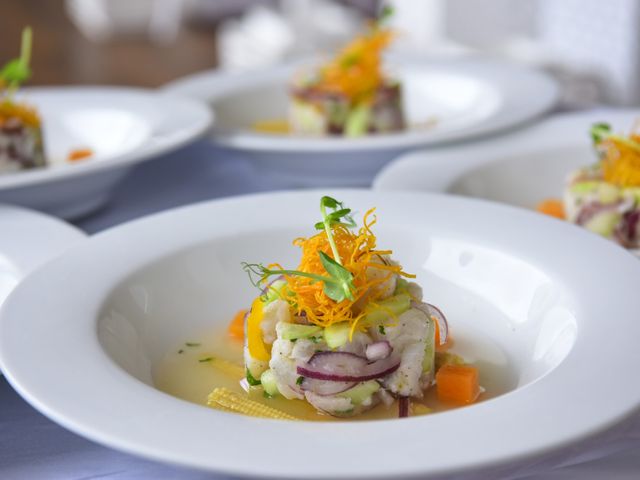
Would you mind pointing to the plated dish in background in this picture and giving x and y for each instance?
(533, 167)
(121, 127)
(177, 292)
(467, 98)
(63, 149)
(603, 197)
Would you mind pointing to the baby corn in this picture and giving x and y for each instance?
(224, 399)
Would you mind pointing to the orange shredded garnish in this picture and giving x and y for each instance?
(621, 163)
(357, 252)
(356, 72)
(10, 109)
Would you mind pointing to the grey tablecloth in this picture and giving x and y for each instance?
(33, 447)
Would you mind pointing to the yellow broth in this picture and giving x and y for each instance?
(193, 369)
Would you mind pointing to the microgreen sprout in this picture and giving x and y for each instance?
(602, 131)
(337, 284)
(339, 216)
(17, 71)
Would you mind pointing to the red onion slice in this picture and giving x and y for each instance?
(346, 367)
(324, 388)
(378, 350)
(436, 314)
(403, 407)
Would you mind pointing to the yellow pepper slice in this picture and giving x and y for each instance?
(257, 348)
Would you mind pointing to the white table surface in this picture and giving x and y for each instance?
(32, 447)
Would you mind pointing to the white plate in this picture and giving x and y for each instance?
(468, 98)
(109, 310)
(122, 126)
(27, 240)
(520, 169)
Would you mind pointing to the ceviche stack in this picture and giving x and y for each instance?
(605, 197)
(20, 127)
(347, 330)
(350, 95)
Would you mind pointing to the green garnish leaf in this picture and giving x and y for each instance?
(382, 330)
(342, 279)
(17, 71)
(192, 344)
(181, 351)
(299, 380)
(204, 360)
(599, 132)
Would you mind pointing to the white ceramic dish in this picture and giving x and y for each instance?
(27, 240)
(122, 126)
(519, 169)
(109, 310)
(468, 98)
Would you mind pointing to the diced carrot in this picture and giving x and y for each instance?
(79, 154)
(552, 207)
(236, 327)
(457, 384)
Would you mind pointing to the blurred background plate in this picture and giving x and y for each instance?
(520, 169)
(444, 101)
(121, 126)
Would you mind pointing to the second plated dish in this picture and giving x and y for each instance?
(442, 101)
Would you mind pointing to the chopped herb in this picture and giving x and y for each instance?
(192, 344)
(181, 351)
(266, 395)
(382, 330)
(251, 380)
(207, 359)
(299, 380)
(314, 339)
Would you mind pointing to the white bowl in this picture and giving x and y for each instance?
(519, 303)
(28, 240)
(519, 169)
(468, 98)
(122, 126)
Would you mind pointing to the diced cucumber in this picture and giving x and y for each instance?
(268, 380)
(360, 392)
(402, 286)
(273, 291)
(396, 305)
(604, 223)
(608, 193)
(584, 187)
(337, 335)
(429, 358)
(357, 122)
(294, 331)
